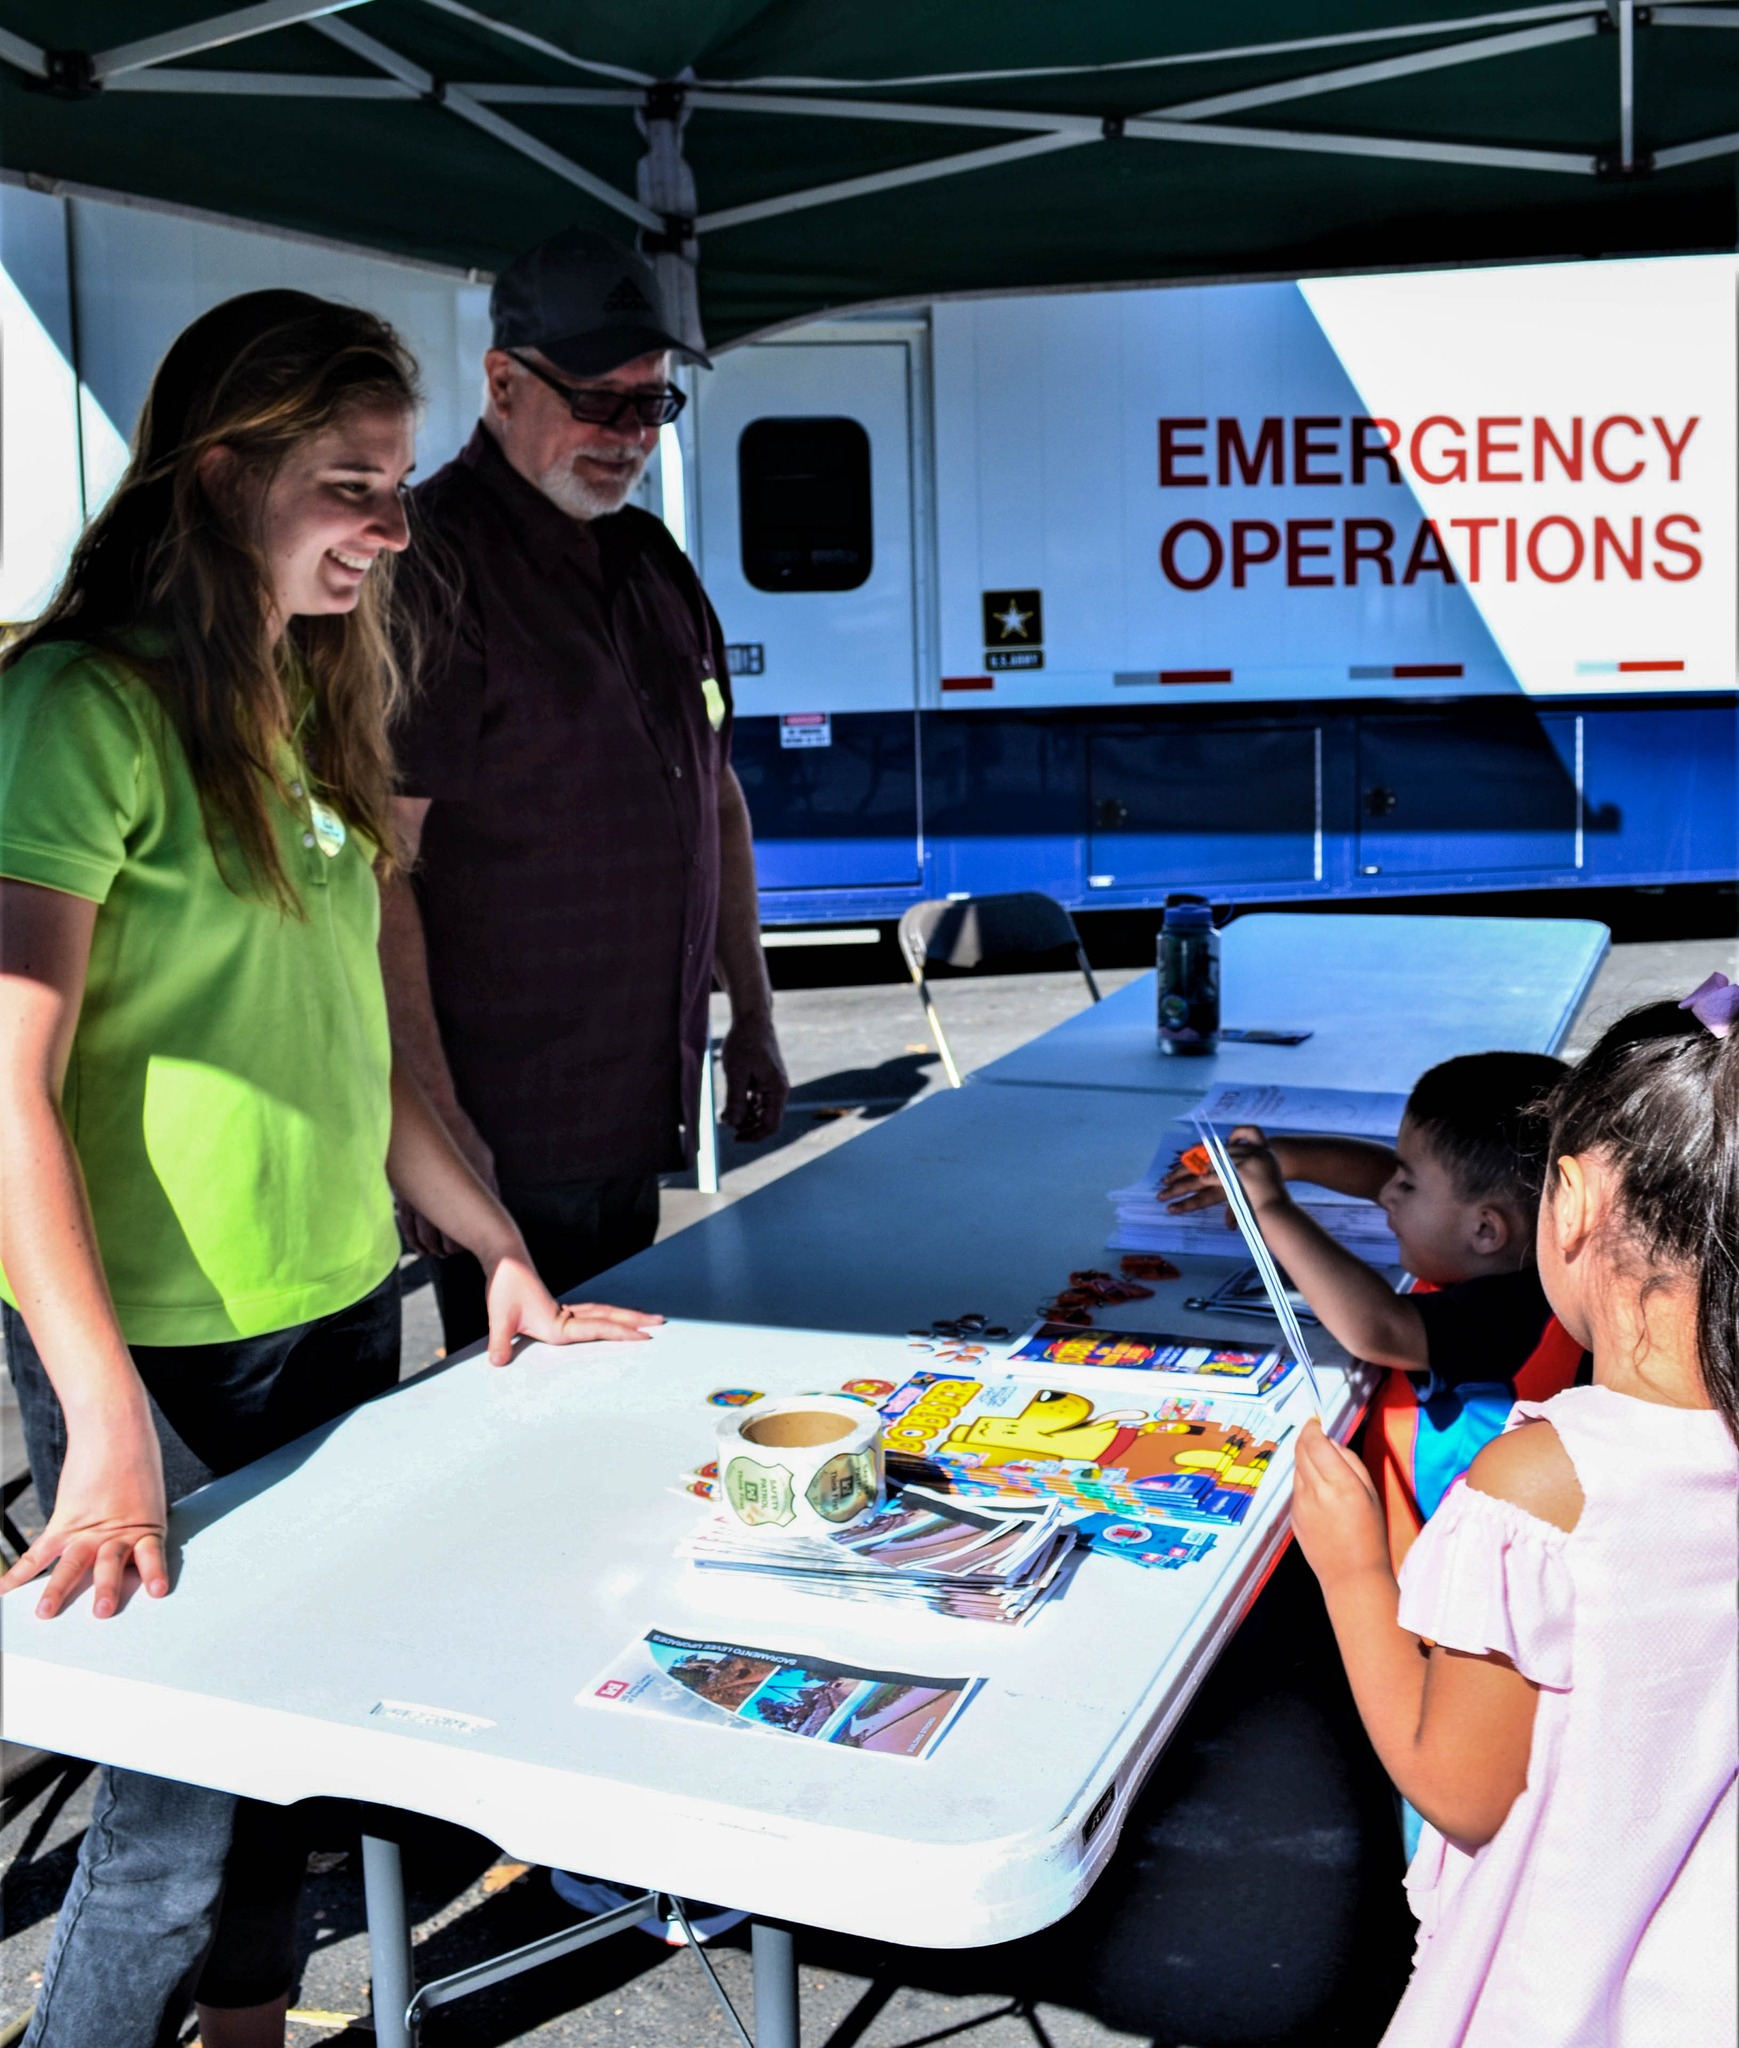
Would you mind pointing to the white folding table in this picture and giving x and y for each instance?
(1385, 998)
(402, 1607)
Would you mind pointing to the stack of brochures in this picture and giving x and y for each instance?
(978, 1563)
(1144, 1224)
(1114, 1448)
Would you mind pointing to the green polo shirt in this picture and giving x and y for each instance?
(228, 1087)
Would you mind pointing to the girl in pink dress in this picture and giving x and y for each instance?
(1554, 1682)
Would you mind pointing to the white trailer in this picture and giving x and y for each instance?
(1352, 585)
(1355, 586)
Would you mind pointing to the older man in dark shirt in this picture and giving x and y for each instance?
(584, 865)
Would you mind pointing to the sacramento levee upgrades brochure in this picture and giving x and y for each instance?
(782, 1692)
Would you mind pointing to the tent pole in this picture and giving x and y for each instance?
(1626, 85)
(664, 184)
(27, 57)
(214, 33)
(458, 101)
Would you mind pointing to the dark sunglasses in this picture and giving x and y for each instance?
(599, 407)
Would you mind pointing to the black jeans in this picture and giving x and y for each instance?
(182, 1891)
(573, 1229)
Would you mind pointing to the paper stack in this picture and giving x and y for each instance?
(1130, 1450)
(1144, 1224)
(978, 1563)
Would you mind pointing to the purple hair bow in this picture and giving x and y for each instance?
(1715, 1004)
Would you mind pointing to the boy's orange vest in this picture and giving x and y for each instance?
(1390, 1444)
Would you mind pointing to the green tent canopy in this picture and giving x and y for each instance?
(785, 157)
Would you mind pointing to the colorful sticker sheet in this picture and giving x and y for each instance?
(1184, 1363)
(1190, 1458)
(782, 1692)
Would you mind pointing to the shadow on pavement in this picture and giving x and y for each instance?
(874, 1092)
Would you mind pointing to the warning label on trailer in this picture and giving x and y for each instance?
(806, 729)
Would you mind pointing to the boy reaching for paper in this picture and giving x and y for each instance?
(1460, 1187)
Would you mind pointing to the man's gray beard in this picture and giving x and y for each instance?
(580, 500)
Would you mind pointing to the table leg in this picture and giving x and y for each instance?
(775, 1951)
(389, 1940)
(706, 1159)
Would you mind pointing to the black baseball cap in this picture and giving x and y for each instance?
(586, 303)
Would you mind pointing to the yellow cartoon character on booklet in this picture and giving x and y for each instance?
(1059, 1424)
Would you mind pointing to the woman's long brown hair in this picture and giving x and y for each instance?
(179, 589)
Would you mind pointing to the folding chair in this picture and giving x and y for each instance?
(986, 934)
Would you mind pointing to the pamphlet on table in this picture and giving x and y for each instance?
(782, 1692)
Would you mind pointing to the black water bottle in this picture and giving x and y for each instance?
(1189, 978)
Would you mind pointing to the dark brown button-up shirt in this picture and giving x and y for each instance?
(565, 734)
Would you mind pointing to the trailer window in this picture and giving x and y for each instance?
(803, 489)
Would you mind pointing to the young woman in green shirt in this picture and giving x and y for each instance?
(202, 1124)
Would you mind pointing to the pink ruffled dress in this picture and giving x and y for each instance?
(1603, 1913)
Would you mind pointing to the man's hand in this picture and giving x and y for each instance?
(1336, 1515)
(756, 1086)
(419, 1233)
(520, 1305)
(109, 1515)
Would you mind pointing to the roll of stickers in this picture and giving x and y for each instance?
(808, 1463)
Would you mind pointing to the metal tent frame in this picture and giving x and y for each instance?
(664, 207)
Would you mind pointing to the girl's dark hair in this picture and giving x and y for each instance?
(256, 375)
(1659, 1097)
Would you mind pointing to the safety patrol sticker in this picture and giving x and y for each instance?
(733, 1397)
(715, 701)
(329, 832)
(760, 1493)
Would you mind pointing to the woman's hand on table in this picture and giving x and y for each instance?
(109, 1518)
(520, 1305)
(1336, 1515)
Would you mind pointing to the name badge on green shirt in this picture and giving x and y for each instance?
(328, 826)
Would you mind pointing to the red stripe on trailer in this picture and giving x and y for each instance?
(1195, 675)
(1649, 668)
(1414, 670)
(968, 683)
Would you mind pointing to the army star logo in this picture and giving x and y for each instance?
(1014, 627)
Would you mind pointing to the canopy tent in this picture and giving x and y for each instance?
(798, 155)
